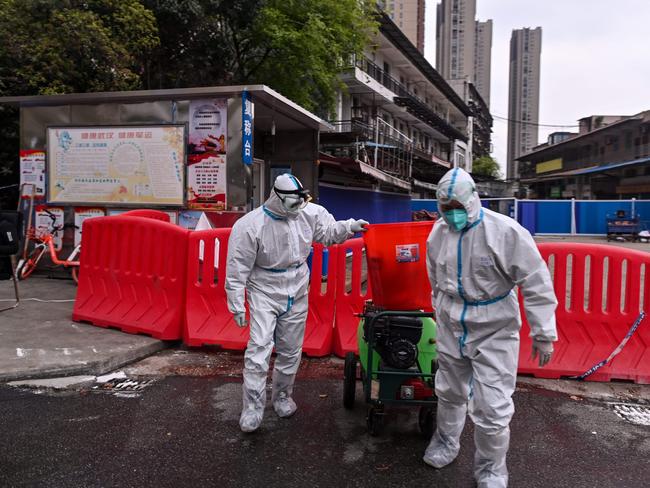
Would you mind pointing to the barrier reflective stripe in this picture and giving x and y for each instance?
(207, 318)
(150, 214)
(348, 304)
(601, 290)
(319, 329)
(132, 275)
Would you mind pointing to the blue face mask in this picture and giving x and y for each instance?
(457, 218)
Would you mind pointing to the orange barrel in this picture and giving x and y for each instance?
(397, 265)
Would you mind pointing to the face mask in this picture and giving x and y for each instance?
(293, 204)
(456, 218)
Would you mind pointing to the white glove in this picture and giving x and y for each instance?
(240, 319)
(545, 351)
(358, 226)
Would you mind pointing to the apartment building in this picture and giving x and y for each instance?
(399, 126)
(464, 45)
(483, 58)
(408, 15)
(523, 95)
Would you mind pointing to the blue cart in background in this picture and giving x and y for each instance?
(623, 225)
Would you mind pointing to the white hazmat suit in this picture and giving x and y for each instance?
(473, 272)
(267, 265)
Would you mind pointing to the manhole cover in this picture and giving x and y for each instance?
(636, 414)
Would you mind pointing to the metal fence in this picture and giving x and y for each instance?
(560, 217)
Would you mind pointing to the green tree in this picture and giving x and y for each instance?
(297, 47)
(309, 41)
(486, 166)
(64, 46)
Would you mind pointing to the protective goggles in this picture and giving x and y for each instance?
(299, 194)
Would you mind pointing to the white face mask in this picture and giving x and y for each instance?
(293, 203)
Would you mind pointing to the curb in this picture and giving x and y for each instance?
(93, 368)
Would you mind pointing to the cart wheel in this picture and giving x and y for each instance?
(427, 421)
(375, 421)
(349, 380)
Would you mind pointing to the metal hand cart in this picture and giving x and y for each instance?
(623, 225)
(398, 366)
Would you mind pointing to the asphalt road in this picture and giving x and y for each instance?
(182, 431)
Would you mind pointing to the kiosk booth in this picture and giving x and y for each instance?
(183, 151)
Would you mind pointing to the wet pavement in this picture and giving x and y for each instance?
(181, 430)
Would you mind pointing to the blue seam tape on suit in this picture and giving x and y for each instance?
(461, 290)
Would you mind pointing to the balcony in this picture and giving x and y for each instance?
(379, 75)
(413, 104)
(378, 147)
(420, 110)
(382, 146)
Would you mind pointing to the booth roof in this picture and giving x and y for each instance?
(269, 104)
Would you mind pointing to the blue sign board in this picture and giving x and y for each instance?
(246, 129)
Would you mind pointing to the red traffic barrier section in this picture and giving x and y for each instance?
(132, 276)
(147, 213)
(319, 329)
(397, 267)
(601, 290)
(207, 318)
(349, 302)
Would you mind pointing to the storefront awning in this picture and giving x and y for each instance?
(588, 170)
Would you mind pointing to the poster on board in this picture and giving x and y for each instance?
(81, 214)
(46, 220)
(32, 172)
(206, 161)
(116, 165)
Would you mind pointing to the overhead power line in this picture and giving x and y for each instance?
(525, 122)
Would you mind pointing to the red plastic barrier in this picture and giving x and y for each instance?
(397, 265)
(588, 334)
(150, 214)
(132, 276)
(319, 329)
(207, 318)
(348, 304)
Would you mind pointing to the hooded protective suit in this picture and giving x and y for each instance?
(473, 274)
(267, 254)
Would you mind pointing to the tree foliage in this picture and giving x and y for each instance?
(486, 166)
(295, 46)
(64, 46)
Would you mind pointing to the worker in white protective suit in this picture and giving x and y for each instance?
(267, 262)
(475, 259)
